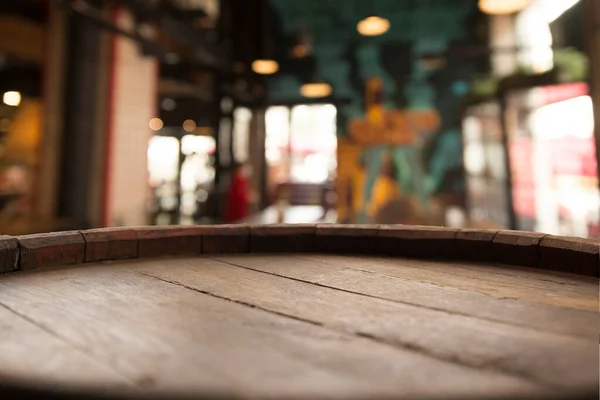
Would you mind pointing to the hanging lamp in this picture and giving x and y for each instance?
(373, 25)
(316, 89)
(502, 7)
(266, 65)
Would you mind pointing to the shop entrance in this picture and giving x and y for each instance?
(301, 145)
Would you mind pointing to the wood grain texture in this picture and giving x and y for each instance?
(553, 360)
(226, 239)
(159, 241)
(29, 353)
(346, 239)
(110, 244)
(447, 275)
(416, 241)
(553, 284)
(575, 255)
(283, 238)
(474, 244)
(166, 337)
(51, 250)
(517, 248)
(318, 269)
(9, 251)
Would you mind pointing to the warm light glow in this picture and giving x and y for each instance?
(156, 124)
(189, 125)
(265, 67)
(300, 51)
(572, 117)
(373, 26)
(502, 7)
(556, 9)
(12, 98)
(315, 90)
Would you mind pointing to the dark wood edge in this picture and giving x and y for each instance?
(578, 256)
(27, 391)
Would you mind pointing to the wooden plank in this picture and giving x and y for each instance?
(346, 239)
(30, 355)
(416, 241)
(444, 274)
(549, 359)
(171, 338)
(50, 250)
(155, 241)
(474, 244)
(517, 248)
(9, 250)
(110, 244)
(576, 255)
(315, 269)
(282, 238)
(226, 239)
(518, 276)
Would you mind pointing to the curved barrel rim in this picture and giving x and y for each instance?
(536, 250)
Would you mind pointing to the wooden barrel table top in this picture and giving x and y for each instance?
(298, 311)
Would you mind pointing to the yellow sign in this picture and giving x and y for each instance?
(381, 126)
(399, 128)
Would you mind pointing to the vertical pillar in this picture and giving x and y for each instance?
(81, 99)
(592, 23)
(51, 143)
(258, 160)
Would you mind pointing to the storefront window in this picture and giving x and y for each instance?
(313, 143)
(553, 161)
(301, 143)
(241, 134)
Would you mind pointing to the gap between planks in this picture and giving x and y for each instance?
(475, 279)
(538, 321)
(494, 363)
(89, 287)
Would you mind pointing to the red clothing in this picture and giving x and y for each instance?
(237, 199)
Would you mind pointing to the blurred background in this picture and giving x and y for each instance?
(460, 113)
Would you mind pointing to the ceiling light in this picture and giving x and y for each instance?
(373, 26)
(553, 10)
(189, 125)
(265, 67)
(12, 98)
(316, 90)
(156, 124)
(502, 7)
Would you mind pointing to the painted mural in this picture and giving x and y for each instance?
(399, 143)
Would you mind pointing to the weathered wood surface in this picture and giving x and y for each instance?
(331, 318)
(302, 325)
(42, 251)
(9, 247)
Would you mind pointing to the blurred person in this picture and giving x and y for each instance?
(237, 195)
